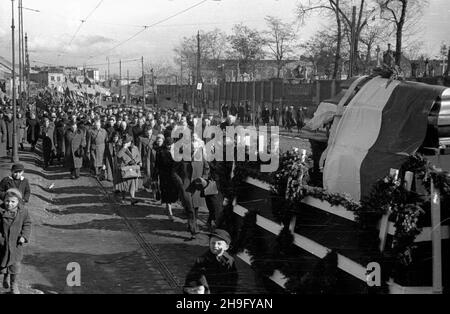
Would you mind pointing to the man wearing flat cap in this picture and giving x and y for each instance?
(74, 144)
(215, 271)
(16, 181)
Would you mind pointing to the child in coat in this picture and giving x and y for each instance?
(215, 271)
(15, 230)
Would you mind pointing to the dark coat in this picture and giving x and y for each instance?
(48, 139)
(10, 231)
(74, 144)
(3, 136)
(9, 133)
(96, 146)
(148, 154)
(137, 132)
(220, 273)
(33, 131)
(169, 182)
(112, 169)
(59, 137)
(22, 185)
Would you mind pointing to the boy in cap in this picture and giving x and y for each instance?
(215, 271)
(16, 181)
(15, 230)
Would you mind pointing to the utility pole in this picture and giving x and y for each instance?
(108, 69)
(352, 48)
(143, 80)
(23, 51)
(153, 88)
(128, 87)
(120, 81)
(27, 66)
(197, 92)
(15, 155)
(20, 50)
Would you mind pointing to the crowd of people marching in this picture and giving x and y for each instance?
(130, 146)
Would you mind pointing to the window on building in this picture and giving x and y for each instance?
(58, 79)
(52, 78)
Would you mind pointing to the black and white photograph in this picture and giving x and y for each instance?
(248, 150)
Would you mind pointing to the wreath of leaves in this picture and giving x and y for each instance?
(289, 187)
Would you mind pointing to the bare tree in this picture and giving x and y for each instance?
(341, 10)
(401, 14)
(164, 72)
(246, 46)
(279, 39)
(213, 45)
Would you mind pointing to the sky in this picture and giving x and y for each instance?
(58, 37)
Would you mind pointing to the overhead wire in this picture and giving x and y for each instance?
(84, 21)
(149, 26)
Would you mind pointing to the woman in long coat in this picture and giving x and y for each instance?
(74, 143)
(33, 129)
(148, 155)
(165, 172)
(59, 139)
(128, 155)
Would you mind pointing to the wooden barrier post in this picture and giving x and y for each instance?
(436, 238)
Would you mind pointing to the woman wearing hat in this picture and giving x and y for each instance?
(129, 156)
(165, 171)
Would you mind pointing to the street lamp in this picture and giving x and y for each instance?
(15, 155)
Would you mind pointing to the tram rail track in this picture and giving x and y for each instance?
(147, 247)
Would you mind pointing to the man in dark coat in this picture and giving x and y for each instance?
(233, 110)
(59, 139)
(33, 131)
(300, 117)
(265, 115)
(276, 116)
(148, 155)
(224, 110)
(16, 181)
(216, 269)
(138, 131)
(241, 113)
(96, 146)
(48, 142)
(74, 143)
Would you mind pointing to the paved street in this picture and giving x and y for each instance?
(120, 248)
